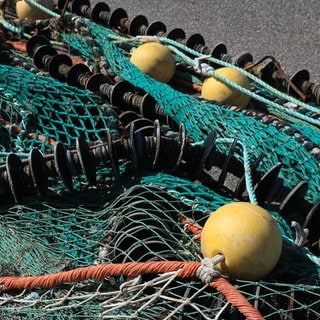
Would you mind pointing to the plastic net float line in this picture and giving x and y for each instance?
(109, 205)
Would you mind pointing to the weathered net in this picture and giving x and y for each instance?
(139, 212)
(139, 225)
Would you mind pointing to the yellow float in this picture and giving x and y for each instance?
(248, 238)
(216, 90)
(26, 10)
(155, 60)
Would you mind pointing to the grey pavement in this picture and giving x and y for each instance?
(287, 30)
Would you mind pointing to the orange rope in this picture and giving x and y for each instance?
(18, 45)
(236, 298)
(187, 84)
(131, 269)
(191, 227)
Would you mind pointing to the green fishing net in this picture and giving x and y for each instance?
(136, 215)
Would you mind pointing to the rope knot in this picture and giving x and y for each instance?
(207, 271)
(201, 67)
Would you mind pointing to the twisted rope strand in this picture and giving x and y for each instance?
(236, 298)
(131, 269)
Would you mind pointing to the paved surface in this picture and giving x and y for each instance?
(288, 30)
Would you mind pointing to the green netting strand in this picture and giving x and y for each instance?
(42, 105)
(100, 231)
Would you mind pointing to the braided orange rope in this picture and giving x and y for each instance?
(191, 227)
(233, 296)
(131, 269)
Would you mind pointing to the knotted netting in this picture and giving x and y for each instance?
(49, 108)
(110, 228)
(190, 111)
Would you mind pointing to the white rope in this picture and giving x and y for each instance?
(207, 271)
(202, 68)
(301, 234)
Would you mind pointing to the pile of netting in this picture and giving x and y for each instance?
(103, 193)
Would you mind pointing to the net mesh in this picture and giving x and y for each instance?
(141, 224)
(190, 111)
(47, 107)
(139, 214)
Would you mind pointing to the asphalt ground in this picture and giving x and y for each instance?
(287, 30)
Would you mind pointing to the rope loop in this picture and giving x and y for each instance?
(301, 234)
(207, 271)
(202, 68)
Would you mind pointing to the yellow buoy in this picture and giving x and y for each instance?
(26, 10)
(216, 90)
(155, 60)
(247, 236)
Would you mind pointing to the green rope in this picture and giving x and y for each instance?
(212, 73)
(313, 258)
(173, 45)
(11, 27)
(201, 117)
(247, 167)
(274, 91)
(43, 8)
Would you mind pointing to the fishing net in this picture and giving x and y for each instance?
(103, 201)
